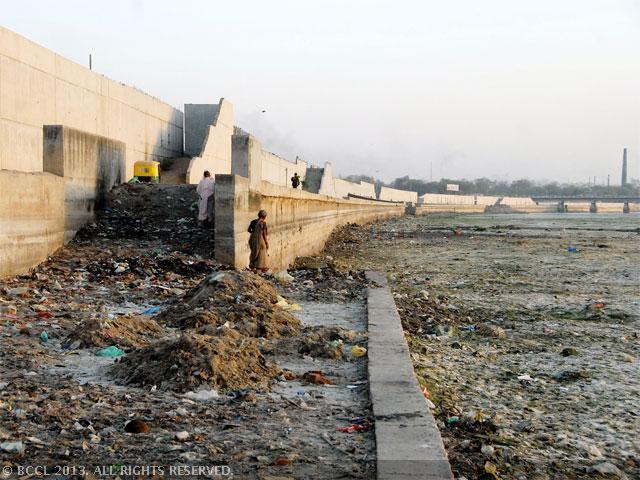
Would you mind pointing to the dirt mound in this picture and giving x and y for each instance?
(193, 360)
(239, 300)
(122, 331)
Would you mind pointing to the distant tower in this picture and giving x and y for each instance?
(624, 167)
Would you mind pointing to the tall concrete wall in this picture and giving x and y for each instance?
(215, 154)
(39, 211)
(31, 219)
(197, 118)
(395, 195)
(251, 161)
(327, 184)
(90, 165)
(39, 87)
(299, 222)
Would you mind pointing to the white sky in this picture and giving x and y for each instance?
(545, 89)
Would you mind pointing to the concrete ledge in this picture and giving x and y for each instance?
(408, 442)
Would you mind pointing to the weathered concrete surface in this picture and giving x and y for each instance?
(39, 87)
(442, 208)
(197, 118)
(299, 222)
(322, 181)
(408, 442)
(250, 160)
(40, 211)
(396, 195)
(90, 166)
(31, 219)
(215, 154)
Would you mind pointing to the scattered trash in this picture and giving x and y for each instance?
(572, 250)
(151, 311)
(12, 447)
(361, 424)
(525, 378)
(358, 351)
(182, 436)
(44, 337)
(491, 469)
(317, 377)
(569, 351)
(203, 395)
(137, 426)
(546, 330)
(283, 276)
(111, 351)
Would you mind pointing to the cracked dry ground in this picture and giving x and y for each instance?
(213, 359)
(529, 350)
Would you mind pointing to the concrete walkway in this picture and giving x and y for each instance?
(408, 442)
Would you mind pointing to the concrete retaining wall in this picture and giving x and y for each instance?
(426, 209)
(90, 165)
(39, 87)
(215, 154)
(279, 171)
(31, 219)
(299, 222)
(396, 195)
(39, 211)
(337, 187)
(197, 119)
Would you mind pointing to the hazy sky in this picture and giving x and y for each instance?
(547, 89)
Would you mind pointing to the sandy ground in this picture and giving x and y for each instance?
(529, 350)
(239, 399)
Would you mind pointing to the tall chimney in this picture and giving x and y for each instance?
(624, 167)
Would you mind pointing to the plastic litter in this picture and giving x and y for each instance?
(572, 250)
(317, 377)
(358, 351)
(44, 337)
(203, 395)
(111, 351)
(360, 424)
(151, 311)
(283, 276)
(12, 447)
(452, 420)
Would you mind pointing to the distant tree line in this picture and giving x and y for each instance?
(517, 188)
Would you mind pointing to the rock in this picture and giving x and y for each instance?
(12, 447)
(594, 452)
(457, 345)
(488, 330)
(137, 426)
(8, 310)
(569, 352)
(605, 468)
(182, 436)
(17, 292)
(628, 358)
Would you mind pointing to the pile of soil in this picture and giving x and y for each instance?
(193, 360)
(242, 301)
(136, 331)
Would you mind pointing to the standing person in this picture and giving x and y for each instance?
(259, 243)
(295, 180)
(206, 189)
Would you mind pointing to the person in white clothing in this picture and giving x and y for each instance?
(206, 189)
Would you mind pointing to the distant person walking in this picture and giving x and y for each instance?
(206, 189)
(295, 181)
(258, 243)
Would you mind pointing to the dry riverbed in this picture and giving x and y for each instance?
(524, 330)
(131, 352)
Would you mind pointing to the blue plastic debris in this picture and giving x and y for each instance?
(151, 311)
(111, 351)
(44, 337)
